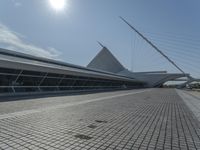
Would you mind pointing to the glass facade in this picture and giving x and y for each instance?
(20, 81)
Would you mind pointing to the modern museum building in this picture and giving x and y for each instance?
(21, 73)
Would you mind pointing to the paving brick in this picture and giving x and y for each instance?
(155, 119)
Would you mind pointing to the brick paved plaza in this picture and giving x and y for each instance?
(137, 119)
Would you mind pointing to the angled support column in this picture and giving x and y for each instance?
(14, 82)
(60, 82)
(42, 81)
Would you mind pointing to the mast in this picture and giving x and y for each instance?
(155, 47)
(100, 44)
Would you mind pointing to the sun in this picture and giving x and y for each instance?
(58, 4)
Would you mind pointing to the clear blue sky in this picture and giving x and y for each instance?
(32, 26)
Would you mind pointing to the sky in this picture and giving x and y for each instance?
(71, 34)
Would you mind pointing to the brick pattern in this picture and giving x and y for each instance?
(157, 119)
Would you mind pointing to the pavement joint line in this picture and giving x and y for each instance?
(32, 111)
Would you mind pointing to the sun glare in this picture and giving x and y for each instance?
(58, 4)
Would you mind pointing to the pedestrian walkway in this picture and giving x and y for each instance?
(151, 119)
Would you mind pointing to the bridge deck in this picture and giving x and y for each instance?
(138, 119)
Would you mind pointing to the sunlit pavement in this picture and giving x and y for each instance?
(137, 119)
(192, 100)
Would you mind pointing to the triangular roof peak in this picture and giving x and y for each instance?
(106, 61)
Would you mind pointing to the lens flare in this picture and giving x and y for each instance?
(58, 4)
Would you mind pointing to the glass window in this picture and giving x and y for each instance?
(28, 81)
(26, 89)
(67, 82)
(6, 90)
(55, 75)
(7, 80)
(33, 73)
(9, 71)
(50, 82)
(46, 89)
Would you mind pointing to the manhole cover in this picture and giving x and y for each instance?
(101, 121)
(92, 126)
(83, 137)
